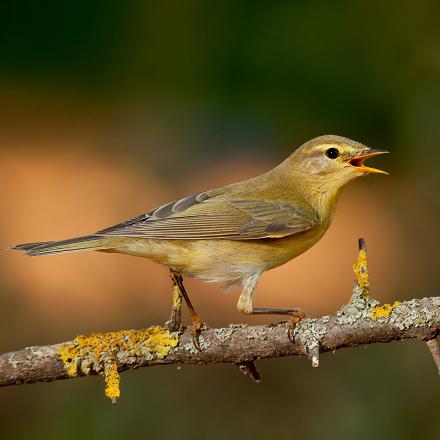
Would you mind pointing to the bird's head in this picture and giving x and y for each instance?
(333, 160)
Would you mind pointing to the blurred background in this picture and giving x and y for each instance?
(110, 108)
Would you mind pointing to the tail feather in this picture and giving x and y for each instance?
(88, 242)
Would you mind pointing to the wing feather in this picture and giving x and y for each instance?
(202, 217)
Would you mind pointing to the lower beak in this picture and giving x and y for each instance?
(358, 162)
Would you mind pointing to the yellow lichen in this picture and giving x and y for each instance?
(361, 271)
(102, 353)
(67, 353)
(112, 380)
(383, 311)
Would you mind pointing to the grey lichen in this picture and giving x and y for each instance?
(257, 333)
(223, 334)
(403, 315)
(326, 318)
(238, 326)
(408, 314)
(191, 348)
(358, 307)
(308, 333)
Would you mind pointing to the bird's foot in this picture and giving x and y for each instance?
(196, 329)
(292, 322)
(296, 314)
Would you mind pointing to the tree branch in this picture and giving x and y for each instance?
(361, 321)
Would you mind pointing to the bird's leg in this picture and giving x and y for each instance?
(197, 324)
(245, 306)
(175, 322)
(296, 314)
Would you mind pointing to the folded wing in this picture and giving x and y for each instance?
(202, 217)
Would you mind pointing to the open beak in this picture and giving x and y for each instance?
(357, 162)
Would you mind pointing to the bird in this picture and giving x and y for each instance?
(233, 234)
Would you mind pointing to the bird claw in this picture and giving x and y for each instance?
(197, 326)
(291, 324)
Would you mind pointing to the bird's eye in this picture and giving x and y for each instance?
(332, 153)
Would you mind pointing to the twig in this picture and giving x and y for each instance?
(249, 368)
(435, 351)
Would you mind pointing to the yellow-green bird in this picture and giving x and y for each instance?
(232, 234)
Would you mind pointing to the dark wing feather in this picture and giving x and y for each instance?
(164, 211)
(201, 217)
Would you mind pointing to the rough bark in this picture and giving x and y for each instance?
(240, 343)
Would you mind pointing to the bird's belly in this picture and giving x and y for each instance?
(287, 248)
(223, 261)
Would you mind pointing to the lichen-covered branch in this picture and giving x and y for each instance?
(361, 321)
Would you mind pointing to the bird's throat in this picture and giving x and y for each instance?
(324, 198)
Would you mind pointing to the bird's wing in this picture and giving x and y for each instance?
(202, 217)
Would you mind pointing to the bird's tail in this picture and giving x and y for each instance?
(85, 243)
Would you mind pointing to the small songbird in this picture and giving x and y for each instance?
(232, 234)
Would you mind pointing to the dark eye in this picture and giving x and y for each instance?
(332, 153)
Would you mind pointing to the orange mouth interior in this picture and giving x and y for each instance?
(358, 162)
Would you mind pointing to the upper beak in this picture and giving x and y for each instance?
(357, 162)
